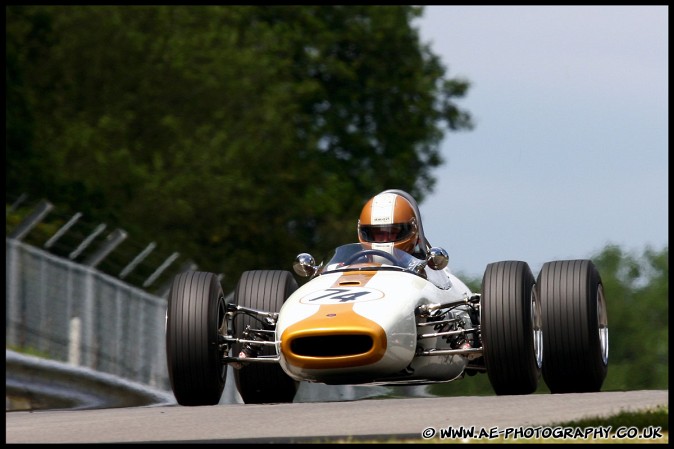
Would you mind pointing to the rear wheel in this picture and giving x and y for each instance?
(262, 290)
(576, 326)
(511, 328)
(194, 319)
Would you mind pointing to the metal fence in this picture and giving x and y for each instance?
(74, 313)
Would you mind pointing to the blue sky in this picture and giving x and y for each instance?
(570, 148)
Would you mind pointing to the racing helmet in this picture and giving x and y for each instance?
(388, 220)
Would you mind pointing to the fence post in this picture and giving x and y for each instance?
(112, 241)
(153, 277)
(12, 306)
(87, 241)
(74, 341)
(87, 321)
(32, 220)
(136, 260)
(58, 234)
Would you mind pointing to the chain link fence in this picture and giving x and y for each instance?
(73, 313)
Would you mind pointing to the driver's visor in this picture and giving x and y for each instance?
(385, 233)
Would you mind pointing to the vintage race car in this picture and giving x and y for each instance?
(371, 317)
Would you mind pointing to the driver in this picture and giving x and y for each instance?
(389, 220)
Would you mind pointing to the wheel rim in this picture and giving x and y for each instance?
(602, 319)
(537, 320)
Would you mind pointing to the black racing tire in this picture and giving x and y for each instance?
(195, 317)
(511, 328)
(576, 326)
(260, 383)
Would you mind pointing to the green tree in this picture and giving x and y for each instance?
(637, 292)
(239, 135)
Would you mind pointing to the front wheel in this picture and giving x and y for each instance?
(264, 290)
(194, 320)
(510, 319)
(576, 326)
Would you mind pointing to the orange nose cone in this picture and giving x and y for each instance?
(334, 337)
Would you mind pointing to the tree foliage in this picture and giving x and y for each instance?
(240, 135)
(637, 292)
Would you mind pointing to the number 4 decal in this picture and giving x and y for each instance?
(341, 295)
(336, 293)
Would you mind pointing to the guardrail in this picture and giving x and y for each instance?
(33, 383)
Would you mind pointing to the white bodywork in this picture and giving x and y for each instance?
(381, 303)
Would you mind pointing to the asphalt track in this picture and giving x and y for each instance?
(318, 421)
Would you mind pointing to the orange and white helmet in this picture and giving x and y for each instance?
(388, 220)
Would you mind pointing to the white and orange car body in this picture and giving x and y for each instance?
(361, 327)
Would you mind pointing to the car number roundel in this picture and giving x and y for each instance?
(342, 295)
